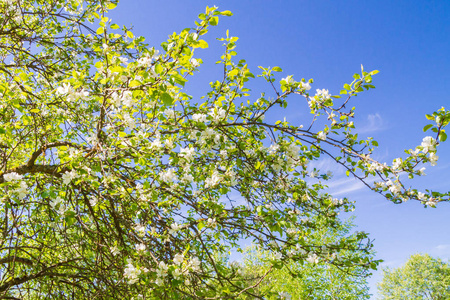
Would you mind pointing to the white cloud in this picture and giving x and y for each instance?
(347, 185)
(374, 123)
(442, 251)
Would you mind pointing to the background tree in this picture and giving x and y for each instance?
(422, 277)
(117, 184)
(314, 279)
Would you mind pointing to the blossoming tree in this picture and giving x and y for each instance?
(116, 183)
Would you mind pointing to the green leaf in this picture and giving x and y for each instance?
(100, 30)
(130, 34)
(134, 83)
(277, 69)
(427, 127)
(214, 21)
(442, 136)
(429, 117)
(112, 5)
(226, 13)
(201, 44)
(233, 72)
(166, 99)
(115, 26)
(159, 69)
(200, 225)
(179, 79)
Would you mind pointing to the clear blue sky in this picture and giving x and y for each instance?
(408, 41)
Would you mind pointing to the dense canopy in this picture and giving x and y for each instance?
(116, 183)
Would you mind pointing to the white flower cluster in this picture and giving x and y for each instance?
(174, 227)
(213, 180)
(187, 153)
(12, 176)
(323, 94)
(322, 136)
(58, 205)
(71, 95)
(218, 114)
(285, 295)
(312, 258)
(146, 60)
(131, 273)
(168, 176)
(22, 190)
(180, 269)
(199, 118)
(67, 177)
(125, 99)
(304, 86)
(428, 146)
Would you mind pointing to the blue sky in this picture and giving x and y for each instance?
(407, 41)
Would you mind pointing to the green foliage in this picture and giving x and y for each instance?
(310, 279)
(115, 184)
(422, 277)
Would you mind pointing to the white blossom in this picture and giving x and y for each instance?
(277, 255)
(168, 176)
(114, 250)
(178, 259)
(285, 295)
(123, 60)
(289, 79)
(187, 178)
(55, 202)
(67, 177)
(421, 172)
(12, 176)
(129, 121)
(322, 136)
(199, 118)
(162, 269)
(428, 144)
(170, 113)
(421, 196)
(127, 98)
(156, 143)
(304, 86)
(433, 158)
(273, 148)
(187, 153)
(211, 222)
(93, 201)
(213, 180)
(312, 258)
(145, 61)
(431, 202)
(140, 229)
(218, 114)
(194, 264)
(22, 190)
(65, 89)
(397, 163)
(174, 227)
(323, 93)
(131, 273)
(194, 62)
(141, 247)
